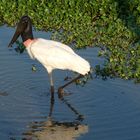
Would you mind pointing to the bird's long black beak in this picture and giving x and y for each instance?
(24, 28)
(15, 37)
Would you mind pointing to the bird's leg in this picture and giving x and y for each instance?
(51, 105)
(50, 121)
(52, 89)
(51, 83)
(60, 89)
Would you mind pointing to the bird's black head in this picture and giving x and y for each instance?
(24, 28)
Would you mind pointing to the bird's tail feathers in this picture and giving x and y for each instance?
(83, 68)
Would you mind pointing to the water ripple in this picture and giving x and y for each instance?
(111, 108)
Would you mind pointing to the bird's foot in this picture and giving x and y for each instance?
(62, 93)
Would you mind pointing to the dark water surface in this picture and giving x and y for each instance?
(111, 108)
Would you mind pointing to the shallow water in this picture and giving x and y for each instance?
(110, 108)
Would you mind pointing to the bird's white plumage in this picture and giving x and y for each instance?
(55, 55)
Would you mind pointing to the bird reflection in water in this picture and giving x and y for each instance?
(57, 130)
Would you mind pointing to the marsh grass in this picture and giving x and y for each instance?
(112, 25)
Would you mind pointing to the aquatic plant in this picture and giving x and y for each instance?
(112, 25)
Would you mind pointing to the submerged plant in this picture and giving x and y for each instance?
(20, 48)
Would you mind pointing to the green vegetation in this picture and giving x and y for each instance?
(112, 25)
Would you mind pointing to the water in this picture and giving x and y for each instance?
(109, 109)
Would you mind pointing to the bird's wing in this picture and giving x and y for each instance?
(52, 56)
(52, 43)
(59, 58)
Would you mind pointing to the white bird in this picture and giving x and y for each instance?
(51, 54)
